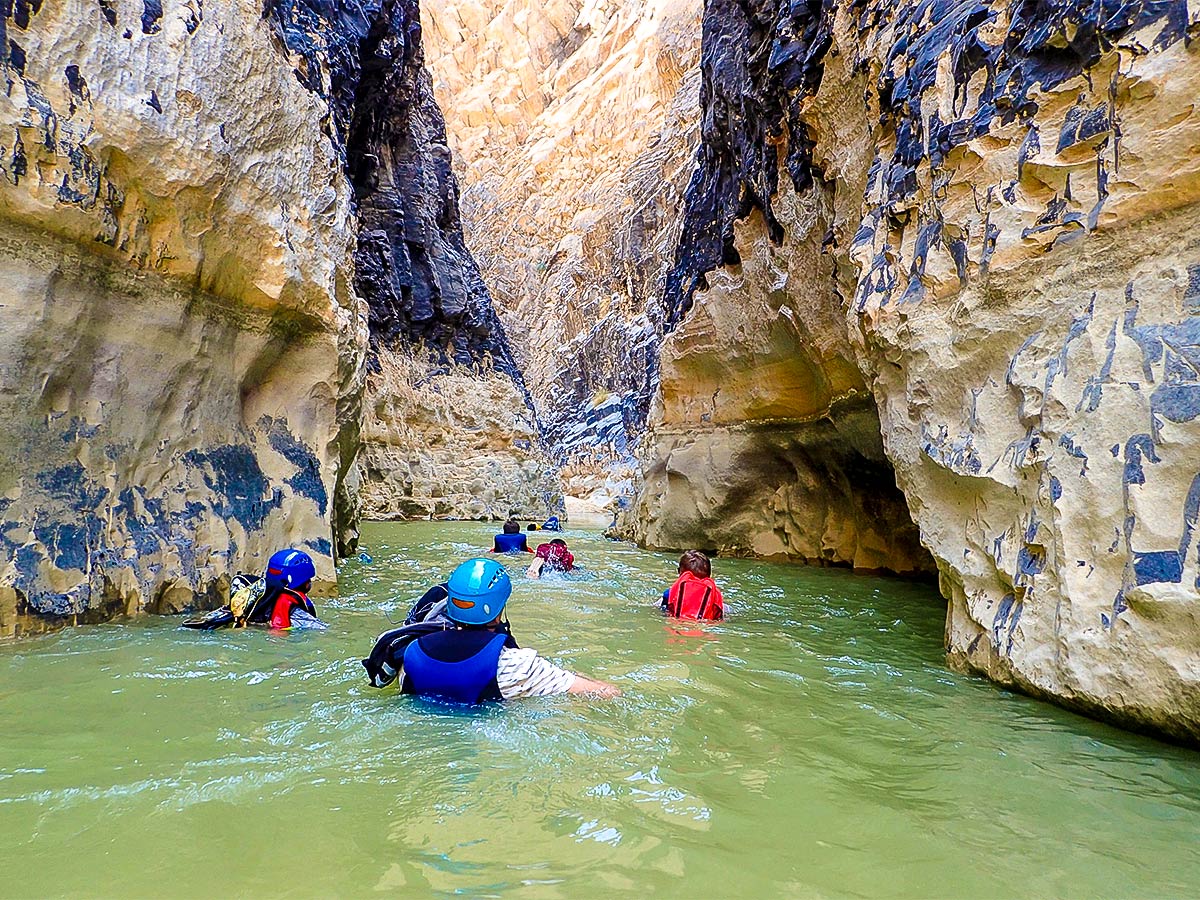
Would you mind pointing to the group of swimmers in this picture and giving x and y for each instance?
(456, 642)
(552, 556)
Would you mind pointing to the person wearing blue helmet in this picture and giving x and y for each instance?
(279, 597)
(289, 578)
(474, 657)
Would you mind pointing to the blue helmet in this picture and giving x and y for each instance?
(478, 590)
(290, 569)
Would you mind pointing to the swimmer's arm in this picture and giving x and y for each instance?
(584, 685)
(522, 673)
(535, 568)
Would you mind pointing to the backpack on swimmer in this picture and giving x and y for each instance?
(277, 597)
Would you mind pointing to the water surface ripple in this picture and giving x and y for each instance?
(813, 745)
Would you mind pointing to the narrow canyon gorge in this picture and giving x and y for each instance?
(909, 289)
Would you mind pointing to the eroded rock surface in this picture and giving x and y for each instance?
(452, 444)
(185, 334)
(181, 344)
(434, 329)
(1011, 196)
(765, 437)
(574, 123)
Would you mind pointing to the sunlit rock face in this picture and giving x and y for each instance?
(573, 126)
(452, 444)
(446, 404)
(765, 438)
(1010, 192)
(181, 345)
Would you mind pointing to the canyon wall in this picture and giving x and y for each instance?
(765, 440)
(573, 125)
(182, 345)
(996, 201)
(187, 293)
(448, 428)
(454, 443)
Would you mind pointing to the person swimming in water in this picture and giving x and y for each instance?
(467, 653)
(694, 595)
(278, 598)
(551, 557)
(510, 540)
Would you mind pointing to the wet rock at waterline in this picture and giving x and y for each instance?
(451, 444)
(1008, 198)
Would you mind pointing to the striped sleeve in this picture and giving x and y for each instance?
(522, 673)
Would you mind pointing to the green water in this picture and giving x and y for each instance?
(812, 745)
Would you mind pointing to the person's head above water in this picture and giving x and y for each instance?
(695, 562)
(478, 590)
(290, 569)
(512, 526)
(558, 542)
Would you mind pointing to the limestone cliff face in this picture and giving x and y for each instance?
(456, 443)
(446, 403)
(1009, 192)
(765, 440)
(574, 123)
(184, 343)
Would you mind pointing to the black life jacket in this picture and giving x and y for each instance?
(423, 607)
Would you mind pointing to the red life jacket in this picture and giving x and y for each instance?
(281, 615)
(556, 556)
(695, 598)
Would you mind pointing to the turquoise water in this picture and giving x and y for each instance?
(813, 745)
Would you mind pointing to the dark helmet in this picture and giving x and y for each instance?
(290, 569)
(478, 590)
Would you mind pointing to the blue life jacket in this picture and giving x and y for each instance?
(457, 665)
(510, 543)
